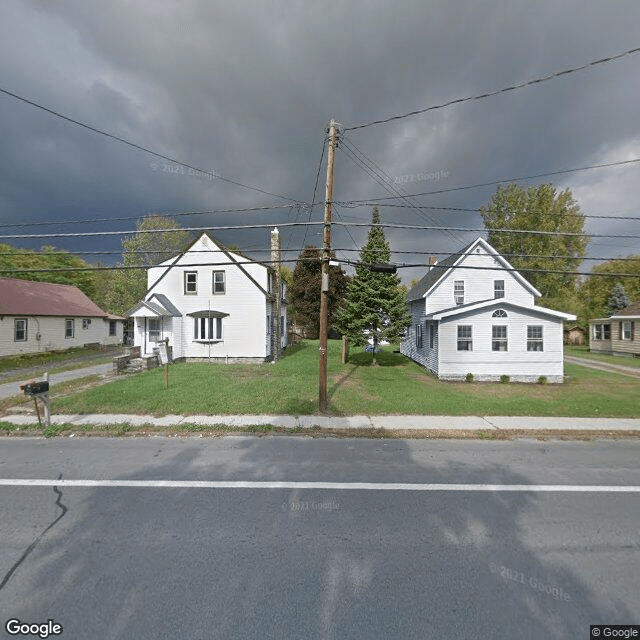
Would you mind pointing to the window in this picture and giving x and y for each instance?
(602, 332)
(207, 328)
(432, 331)
(69, 328)
(190, 282)
(20, 329)
(458, 291)
(218, 282)
(499, 313)
(499, 337)
(86, 322)
(154, 329)
(268, 325)
(465, 342)
(113, 328)
(627, 330)
(534, 338)
(281, 325)
(418, 336)
(498, 288)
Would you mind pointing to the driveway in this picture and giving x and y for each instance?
(13, 388)
(633, 372)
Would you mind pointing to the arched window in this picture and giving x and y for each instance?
(499, 313)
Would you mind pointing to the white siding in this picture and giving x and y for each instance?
(478, 283)
(244, 331)
(426, 356)
(47, 333)
(516, 362)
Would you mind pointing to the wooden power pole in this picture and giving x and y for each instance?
(326, 251)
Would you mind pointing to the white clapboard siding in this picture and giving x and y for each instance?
(47, 333)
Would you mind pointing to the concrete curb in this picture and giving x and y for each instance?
(401, 422)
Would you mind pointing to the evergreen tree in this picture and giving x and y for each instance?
(375, 301)
(304, 291)
(618, 299)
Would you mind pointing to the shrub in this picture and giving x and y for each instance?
(542, 380)
(469, 377)
(505, 379)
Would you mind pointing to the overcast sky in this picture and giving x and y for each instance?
(246, 89)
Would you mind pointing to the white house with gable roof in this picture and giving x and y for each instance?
(474, 313)
(212, 304)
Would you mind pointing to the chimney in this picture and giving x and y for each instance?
(433, 261)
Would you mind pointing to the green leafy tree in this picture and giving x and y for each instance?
(304, 291)
(596, 291)
(148, 247)
(539, 208)
(375, 302)
(50, 264)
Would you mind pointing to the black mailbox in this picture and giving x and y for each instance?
(34, 388)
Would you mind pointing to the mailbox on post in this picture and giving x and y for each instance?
(39, 390)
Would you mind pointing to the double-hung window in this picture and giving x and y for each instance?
(432, 331)
(458, 291)
(419, 336)
(20, 329)
(534, 338)
(465, 339)
(190, 282)
(69, 328)
(86, 323)
(207, 328)
(499, 337)
(627, 330)
(218, 282)
(113, 328)
(498, 288)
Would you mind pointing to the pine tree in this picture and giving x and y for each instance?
(375, 302)
(618, 299)
(304, 292)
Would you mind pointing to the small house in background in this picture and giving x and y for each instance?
(618, 334)
(574, 335)
(212, 304)
(41, 316)
(473, 313)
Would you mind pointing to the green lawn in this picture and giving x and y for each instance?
(583, 352)
(397, 386)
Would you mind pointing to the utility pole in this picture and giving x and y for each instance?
(326, 251)
(276, 333)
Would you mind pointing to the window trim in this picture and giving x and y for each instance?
(157, 331)
(69, 323)
(458, 292)
(499, 313)
(214, 283)
(534, 340)
(498, 340)
(419, 335)
(86, 323)
(208, 329)
(432, 331)
(25, 331)
(623, 330)
(465, 339)
(187, 283)
(113, 328)
(498, 293)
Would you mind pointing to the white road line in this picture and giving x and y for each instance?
(334, 486)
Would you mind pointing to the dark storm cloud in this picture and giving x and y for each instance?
(246, 89)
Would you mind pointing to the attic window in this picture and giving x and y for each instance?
(499, 313)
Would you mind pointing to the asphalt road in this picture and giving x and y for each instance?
(190, 560)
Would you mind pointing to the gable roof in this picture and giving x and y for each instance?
(499, 303)
(631, 310)
(438, 271)
(29, 298)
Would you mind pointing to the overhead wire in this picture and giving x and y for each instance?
(489, 94)
(213, 174)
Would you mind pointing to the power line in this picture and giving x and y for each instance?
(470, 210)
(493, 182)
(39, 223)
(299, 224)
(489, 94)
(315, 188)
(213, 174)
(349, 262)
